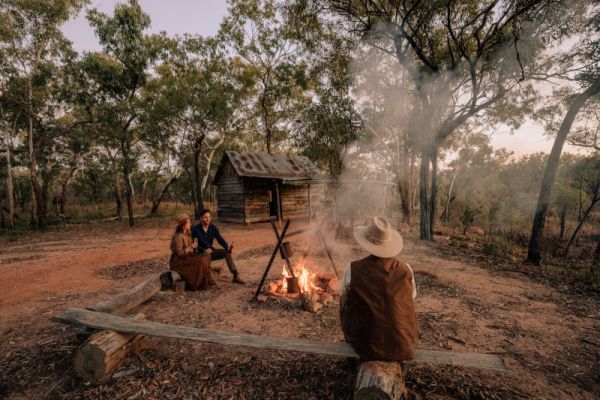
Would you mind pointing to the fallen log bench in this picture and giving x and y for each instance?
(104, 351)
(372, 381)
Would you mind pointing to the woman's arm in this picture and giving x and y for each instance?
(180, 246)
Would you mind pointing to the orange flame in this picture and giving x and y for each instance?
(305, 279)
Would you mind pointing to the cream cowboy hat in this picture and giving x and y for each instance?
(379, 238)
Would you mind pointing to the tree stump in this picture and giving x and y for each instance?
(380, 380)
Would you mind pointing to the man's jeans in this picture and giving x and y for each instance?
(219, 254)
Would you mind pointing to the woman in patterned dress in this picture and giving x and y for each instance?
(193, 268)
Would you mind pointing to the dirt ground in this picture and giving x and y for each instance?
(551, 349)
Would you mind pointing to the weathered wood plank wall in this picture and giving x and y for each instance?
(230, 196)
(294, 201)
(256, 204)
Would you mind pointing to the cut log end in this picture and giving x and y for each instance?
(380, 380)
(102, 354)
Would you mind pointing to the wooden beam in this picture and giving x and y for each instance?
(278, 197)
(127, 301)
(101, 320)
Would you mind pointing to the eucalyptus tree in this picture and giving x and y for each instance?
(198, 102)
(118, 74)
(36, 57)
(582, 65)
(329, 123)
(586, 171)
(461, 58)
(8, 138)
(71, 150)
(255, 31)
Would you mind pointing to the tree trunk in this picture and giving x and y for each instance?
(411, 202)
(10, 200)
(580, 224)
(118, 195)
(534, 252)
(126, 177)
(406, 187)
(144, 195)
(209, 157)
(449, 198)
(424, 219)
(265, 117)
(64, 187)
(434, 189)
(198, 174)
(563, 221)
(42, 202)
(21, 201)
(157, 199)
(33, 173)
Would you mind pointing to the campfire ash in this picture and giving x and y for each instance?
(317, 288)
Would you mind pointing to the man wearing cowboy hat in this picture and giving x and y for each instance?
(377, 310)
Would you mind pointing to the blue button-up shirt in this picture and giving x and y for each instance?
(205, 239)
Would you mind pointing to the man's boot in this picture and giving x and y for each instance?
(237, 279)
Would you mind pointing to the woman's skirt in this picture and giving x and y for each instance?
(194, 269)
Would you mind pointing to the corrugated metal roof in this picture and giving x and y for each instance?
(265, 165)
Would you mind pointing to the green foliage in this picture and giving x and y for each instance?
(468, 217)
(255, 31)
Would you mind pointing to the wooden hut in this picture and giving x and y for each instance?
(256, 187)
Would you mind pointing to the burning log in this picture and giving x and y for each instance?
(379, 380)
(318, 289)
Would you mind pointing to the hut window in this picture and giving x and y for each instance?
(270, 194)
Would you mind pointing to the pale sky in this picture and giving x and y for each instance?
(204, 16)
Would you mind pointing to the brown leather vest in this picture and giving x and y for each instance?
(382, 323)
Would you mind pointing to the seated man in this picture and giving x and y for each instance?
(205, 232)
(377, 309)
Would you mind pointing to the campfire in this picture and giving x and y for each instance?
(298, 283)
(317, 288)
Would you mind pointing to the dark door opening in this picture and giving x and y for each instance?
(274, 200)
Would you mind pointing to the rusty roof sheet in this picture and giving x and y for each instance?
(265, 165)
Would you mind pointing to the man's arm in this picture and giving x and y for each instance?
(219, 238)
